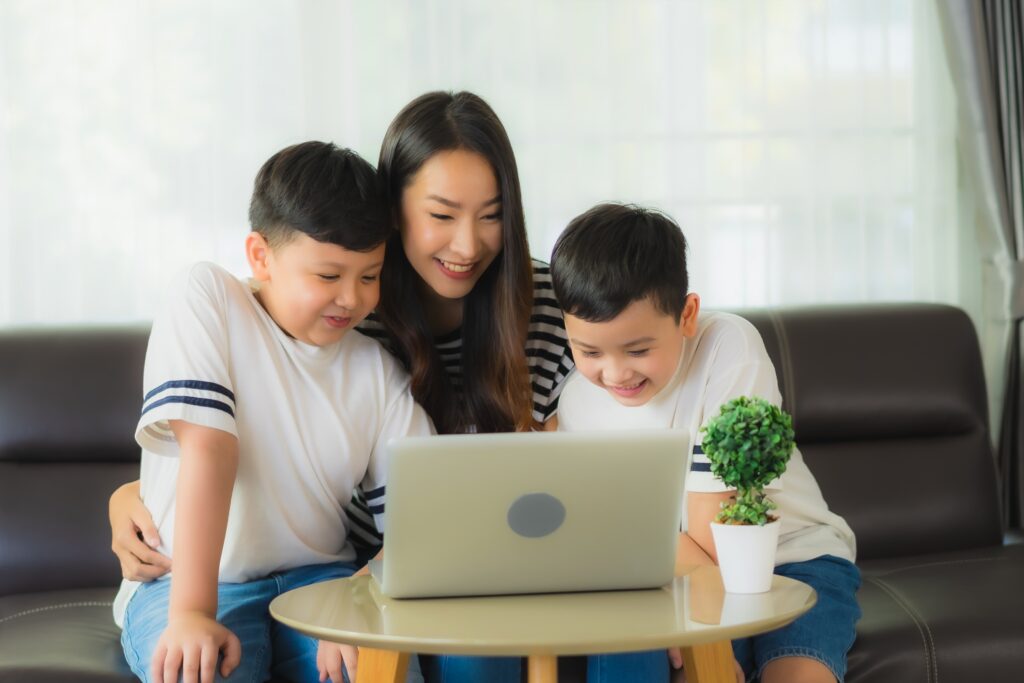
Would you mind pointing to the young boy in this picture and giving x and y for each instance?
(647, 360)
(261, 415)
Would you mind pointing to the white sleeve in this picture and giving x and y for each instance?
(402, 417)
(187, 374)
(753, 375)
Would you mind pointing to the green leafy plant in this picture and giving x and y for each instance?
(748, 444)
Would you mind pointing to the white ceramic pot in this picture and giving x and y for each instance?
(746, 555)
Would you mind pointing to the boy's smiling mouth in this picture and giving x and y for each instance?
(337, 321)
(628, 390)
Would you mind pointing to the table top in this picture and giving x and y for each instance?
(694, 609)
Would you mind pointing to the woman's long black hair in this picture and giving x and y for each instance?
(496, 394)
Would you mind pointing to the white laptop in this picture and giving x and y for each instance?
(538, 512)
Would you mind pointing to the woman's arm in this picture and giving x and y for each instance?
(134, 537)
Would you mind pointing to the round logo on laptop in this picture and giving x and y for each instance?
(535, 515)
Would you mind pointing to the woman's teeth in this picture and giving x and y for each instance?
(455, 267)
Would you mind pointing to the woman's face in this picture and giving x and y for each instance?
(451, 221)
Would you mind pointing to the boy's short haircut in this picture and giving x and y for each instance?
(615, 254)
(320, 190)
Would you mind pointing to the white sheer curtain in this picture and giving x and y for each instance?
(806, 147)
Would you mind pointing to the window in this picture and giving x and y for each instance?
(806, 147)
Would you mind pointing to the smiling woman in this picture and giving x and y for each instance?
(451, 229)
(459, 262)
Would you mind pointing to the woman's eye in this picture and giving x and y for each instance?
(441, 216)
(492, 217)
(328, 278)
(370, 278)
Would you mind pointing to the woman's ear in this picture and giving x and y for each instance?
(257, 252)
(688, 320)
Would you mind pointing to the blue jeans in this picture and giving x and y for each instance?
(625, 668)
(268, 647)
(825, 633)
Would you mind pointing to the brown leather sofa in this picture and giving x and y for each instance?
(889, 409)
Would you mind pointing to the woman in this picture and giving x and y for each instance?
(463, 307)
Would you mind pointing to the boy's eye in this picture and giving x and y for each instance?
(591, 354)
(441, 216)
(639, 353)
(328, 278)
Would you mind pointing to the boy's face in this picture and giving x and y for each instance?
(316, 292)
(635, 354)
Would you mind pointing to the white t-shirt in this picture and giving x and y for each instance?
(725, 359)
(312, 423)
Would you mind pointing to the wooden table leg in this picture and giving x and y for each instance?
(381, 666)
(542, 669)
(711, 663)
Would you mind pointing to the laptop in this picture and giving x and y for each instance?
(538, 512)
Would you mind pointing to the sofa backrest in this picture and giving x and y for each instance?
(69, 401)
(889, 408)
(888, 403)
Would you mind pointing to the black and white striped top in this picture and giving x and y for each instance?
(548, 356)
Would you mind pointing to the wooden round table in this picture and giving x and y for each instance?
(693, 613)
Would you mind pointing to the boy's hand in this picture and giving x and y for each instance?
(330, 657)
(130, 519)
(192, 642)
(675, 657)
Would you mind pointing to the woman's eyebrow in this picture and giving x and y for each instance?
(456, 205)
(446, 202)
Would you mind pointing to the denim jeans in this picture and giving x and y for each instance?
(631, 667)
(825, 633)
(268, 647)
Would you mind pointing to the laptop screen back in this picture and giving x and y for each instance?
(536, 512)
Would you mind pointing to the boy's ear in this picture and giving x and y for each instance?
(257, 252)
(688, 320)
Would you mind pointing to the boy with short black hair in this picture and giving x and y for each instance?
(645, 359)
(261, 416)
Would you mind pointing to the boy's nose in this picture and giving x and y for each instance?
(617, 374)
(347, 297)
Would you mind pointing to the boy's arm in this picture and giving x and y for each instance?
(689, 553)
(701, 509)
(206, 476)
(193, 639)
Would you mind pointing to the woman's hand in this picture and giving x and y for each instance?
(130, 523)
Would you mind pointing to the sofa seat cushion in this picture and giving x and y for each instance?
(953, 617)
(61, 637)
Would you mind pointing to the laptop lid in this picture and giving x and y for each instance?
(491, 514)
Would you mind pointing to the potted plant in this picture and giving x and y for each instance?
(748, 445)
